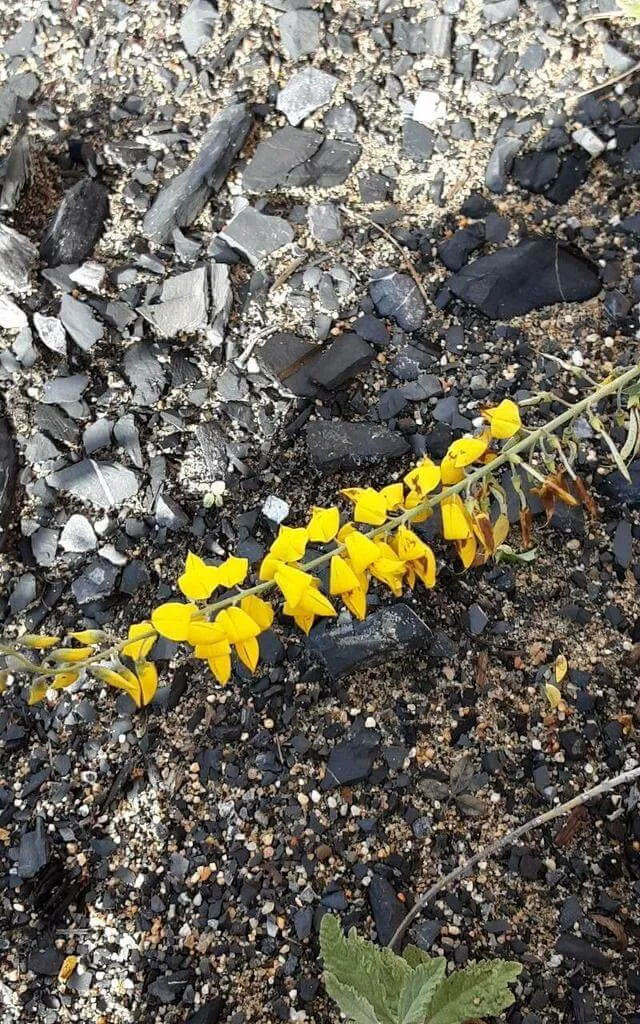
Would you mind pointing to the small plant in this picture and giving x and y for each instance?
(466, 488)
(373, 985)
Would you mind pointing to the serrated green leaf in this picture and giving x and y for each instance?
(353, 1004)
(419, 989)
(480, 990)
(415, 956)
(505, 553)
(372, 971)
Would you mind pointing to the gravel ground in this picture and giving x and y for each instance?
(251, 248)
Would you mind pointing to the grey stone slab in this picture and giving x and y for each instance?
(105, 484)
(386, 633)
(304, 93)
(257, 235)
(17, 256)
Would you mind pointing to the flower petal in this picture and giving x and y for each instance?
(292, 583)
(504, 419)
(361, 550)
(290, 544)
(260, 611)
(323, 525)
(172, 620)
(249, 653)
(341, 576)
(455, 525)
(236, 625)
(232, 571)
(142, 637)
(198, 580)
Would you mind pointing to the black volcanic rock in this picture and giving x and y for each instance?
(535, 273)
(8, 471)
(75, 228)
(334, 446)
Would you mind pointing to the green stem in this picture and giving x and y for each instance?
(507, 456)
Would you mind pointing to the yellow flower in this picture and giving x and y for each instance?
(268, 568)
(63, 679)
(450, 473)
(142, 637)
(467, 450)
(370, 507)
(172, 620)
(260, 611)
(232, 571)
(356, 601)
(290, 544)
(342, 578)
(455, 525)
(504, 419)
(411, 501)
(88, 636)
(140, 686)
(236, 625)
(71, 654)
(198, 580)
(467, 549)
(393, 495)
(36, 642)
(418, 557)
(424, 478)
(312, 604)
(361, 550)
(323, 525)
(201, 631)
(389, 571)
(292, 583)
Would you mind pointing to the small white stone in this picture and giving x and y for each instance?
(275, 509)
(589, 141)
(429, 107)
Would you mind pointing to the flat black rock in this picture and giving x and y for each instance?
(455, 251)
(535, 273)
(386, 632)
(397, 296)
(8, 472)
(334, 446)
(620, 491)
(579, 949)
(77, 224)
(180, 201)
(388, 912)
(345, 357)
(348, 762)
(209, 1013)
(290, 359)
(534, 171)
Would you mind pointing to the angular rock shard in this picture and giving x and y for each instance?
(180, 201)
(17, 255)
(397, 296)
(17, 172)
(535, 273)
(8, 473)
(383, 634)
(196, 26)
(105, 484)
(75, 228)
(334, 446)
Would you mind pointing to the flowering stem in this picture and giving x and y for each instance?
(509, 455)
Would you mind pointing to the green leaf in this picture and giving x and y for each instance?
(631, 8)
(415, 956)
(480, 990)
(505, 553)
(352, 1003)
(419, 990)
(372, 971)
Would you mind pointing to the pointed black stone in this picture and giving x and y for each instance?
(77, 225)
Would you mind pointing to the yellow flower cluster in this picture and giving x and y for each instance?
(390, 552)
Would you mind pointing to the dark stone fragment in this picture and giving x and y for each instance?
(290, 359)
(348, 762)
(106, 484)
(391, 403)
(333, 446)
(388, 912)
(179, 202)
(579, 949)
(75, 228)
(209, 1013)
(17, 254)
(17, 172)
(213, 445)
(329, 166)
(534, 171)
(476, 206)
(418, 141)
(477, 620)
(618, 490)
(8, 473)
(455, 251)
(32, 852)
(616, 305)
(535, 273)
(397, 296)
(372, 329)
(145, 373)
(631, 225)
(197, 25)
(46, 962)
(345, 357)
(169, 988)
(276, 157)
(386, 632)
(623, 544)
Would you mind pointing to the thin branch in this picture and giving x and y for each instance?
(493, 848)
(396, 245)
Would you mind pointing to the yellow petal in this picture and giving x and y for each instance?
(260, 611)
(553, 694)
(292, 583)
(455, 525)
(201, 631)
(249, 653)
(370, 507)
(361, 550)
(466, 450)
(236, 625)
(221, 668)
(425, 568)
(219, 649)
(411, 501)
(63, 679)
(268, 568)
(341, 576)
(323, 525)
(424, 478)
(89, 636)
(315, 602)
(71, 654)
(389, 571)
(38, 643)
(198, 580)
(142, 637)
(122, 680)
(232, 571)
(290, 544)
(561, 668)
(356, 602)
(500, 531)
(450, 473)
(504, 419)
(172, 620)
(148, 679)
(37, 692)
(393, 495)
(303, 620)
(345, 530)
(408, 545)
(467, 549)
